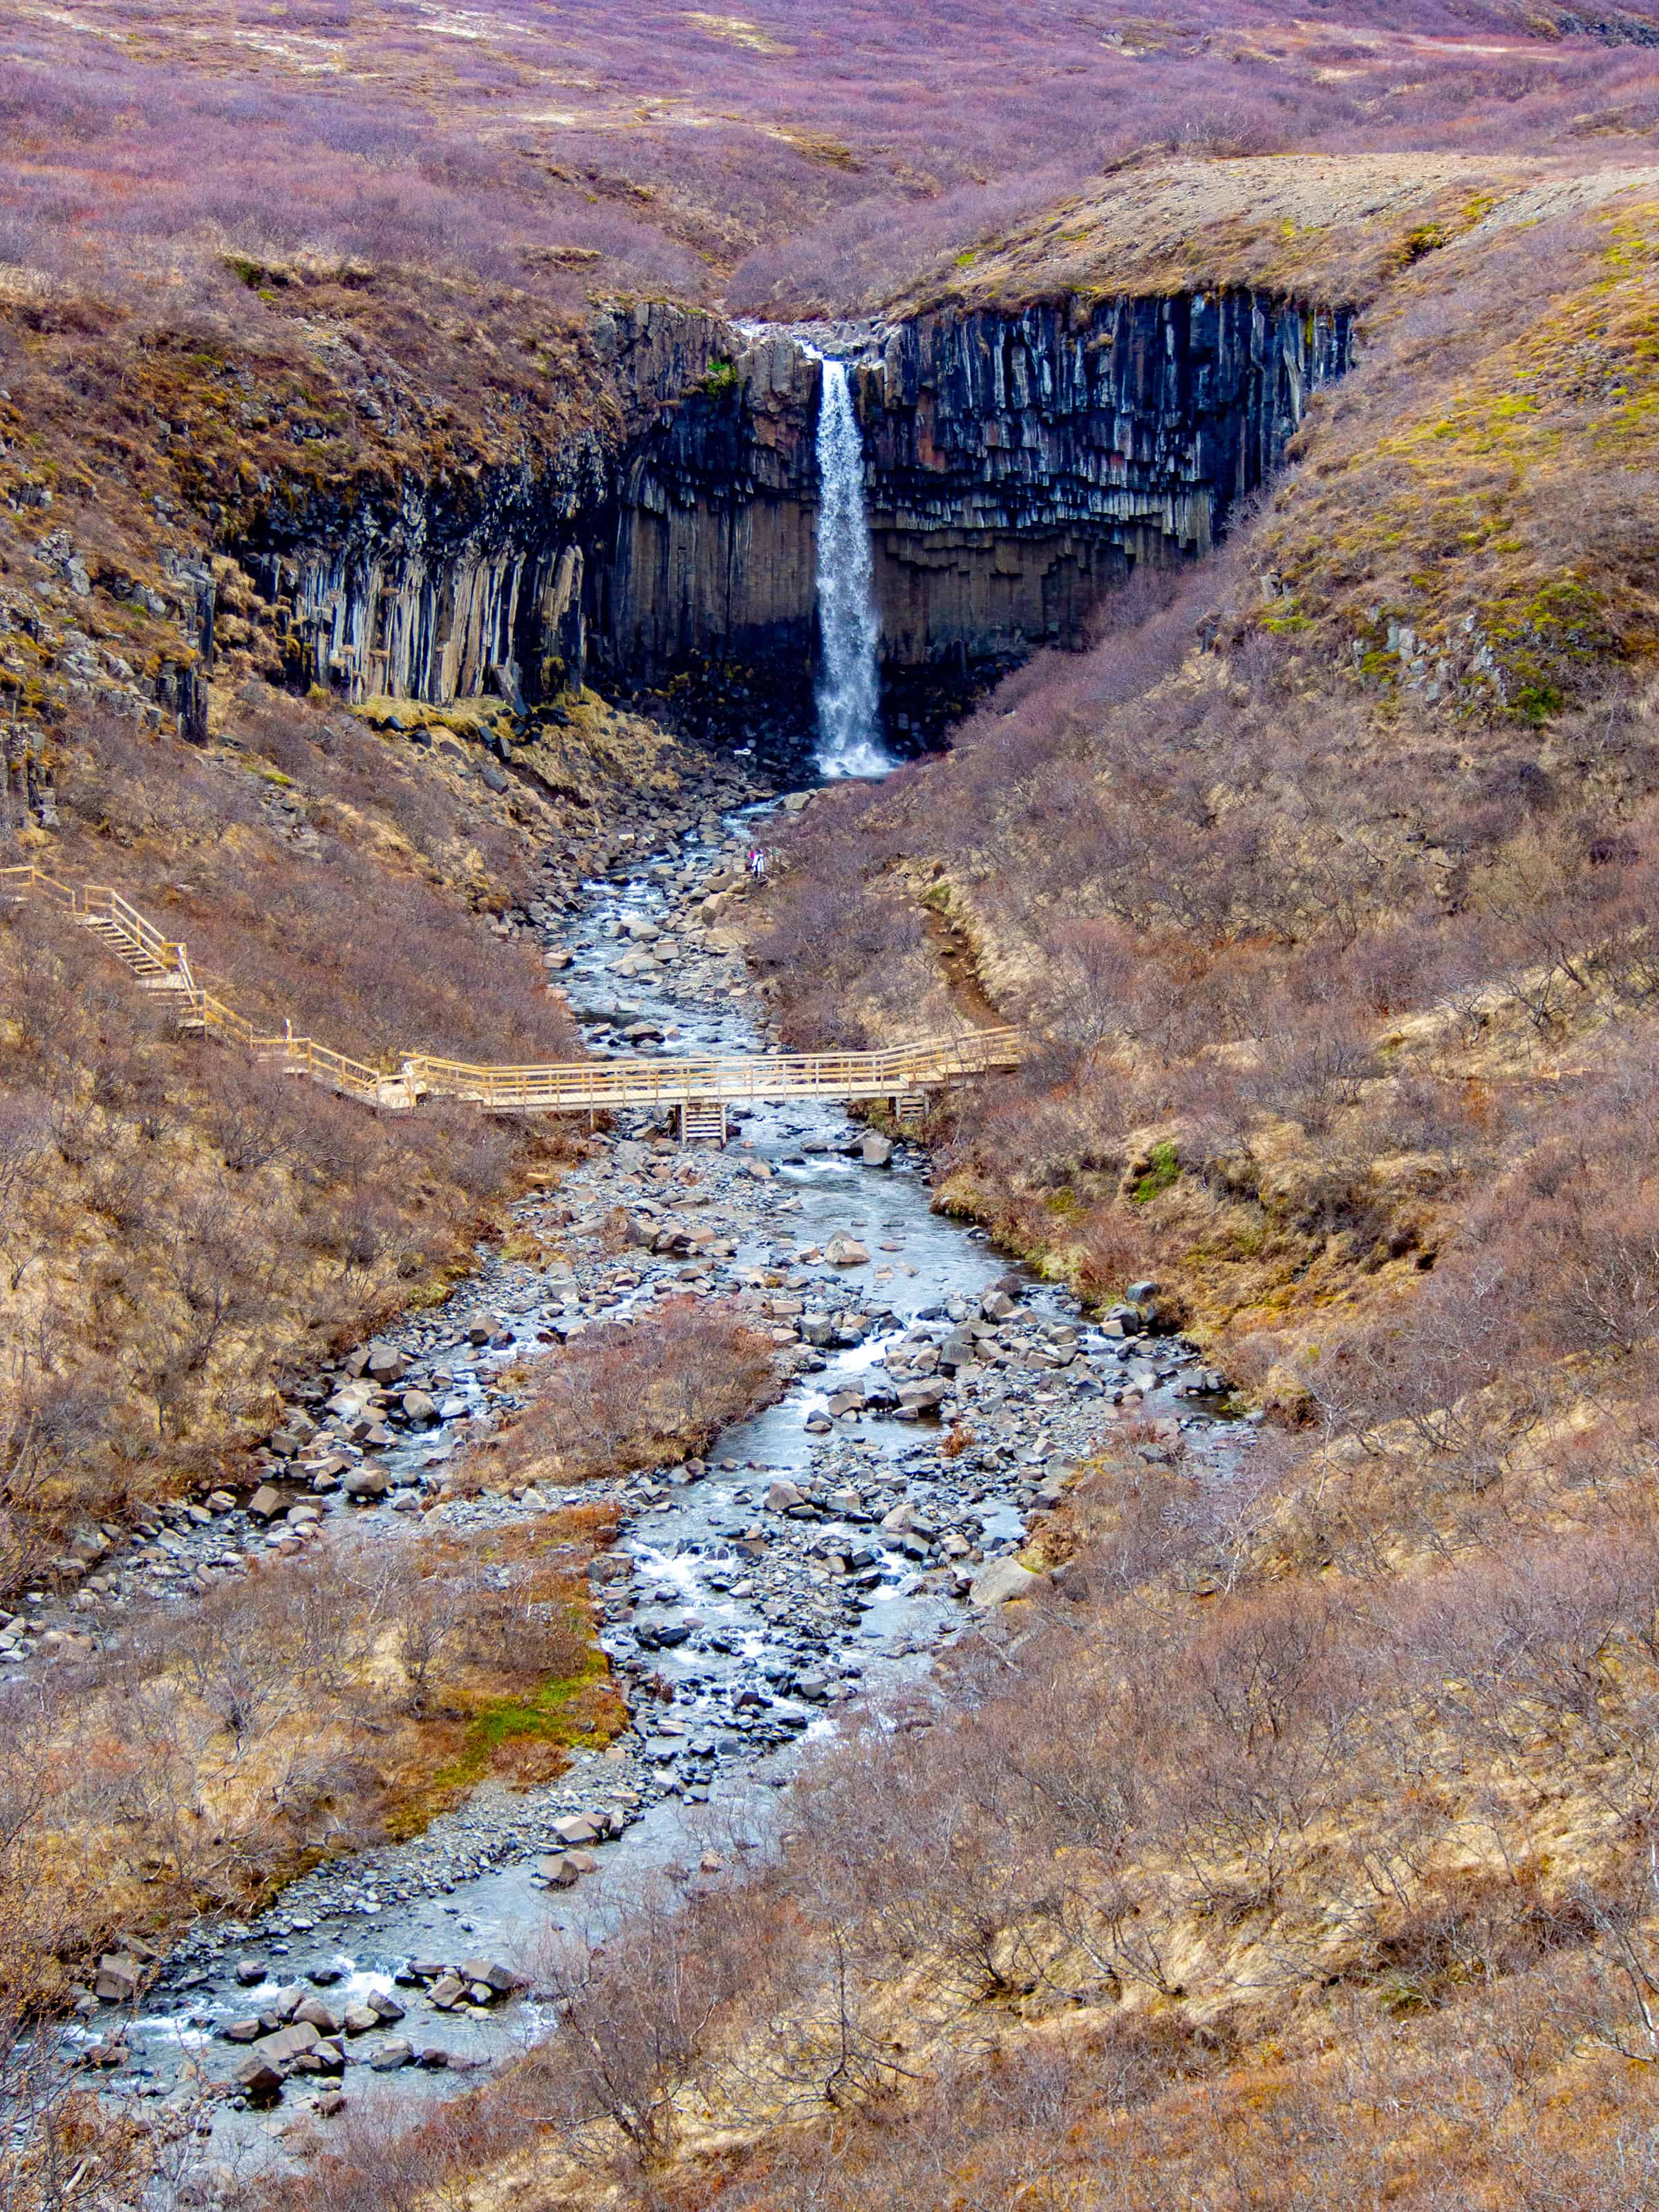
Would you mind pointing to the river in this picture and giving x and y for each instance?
(764, 1619)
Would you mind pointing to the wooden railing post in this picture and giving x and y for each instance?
(561, 1086)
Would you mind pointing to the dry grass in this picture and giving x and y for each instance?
(1325, 228)
(192, 1762)
(183, 1226)
(627, 1395)
(785, 154)
(199, 1758)
(1314, 1887)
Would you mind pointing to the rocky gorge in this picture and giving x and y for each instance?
(1019, 465)
(936, 1404)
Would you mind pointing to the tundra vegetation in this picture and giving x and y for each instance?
(191, 1760)
(1299, 1844)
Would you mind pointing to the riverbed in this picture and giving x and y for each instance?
(937, 1400)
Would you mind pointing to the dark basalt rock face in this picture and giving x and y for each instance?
(710, 547)
(1018, 465)
(443, 590)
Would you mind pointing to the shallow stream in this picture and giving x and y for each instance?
(760, 1621)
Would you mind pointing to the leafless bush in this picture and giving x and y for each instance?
(633, 1393)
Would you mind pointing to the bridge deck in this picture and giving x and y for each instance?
(559, 1087)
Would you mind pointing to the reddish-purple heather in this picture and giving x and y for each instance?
(795, 155)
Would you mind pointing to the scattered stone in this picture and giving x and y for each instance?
(119, 1980)
(1000, 1581)
(579, 1828)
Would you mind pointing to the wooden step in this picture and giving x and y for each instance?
(702, 1120)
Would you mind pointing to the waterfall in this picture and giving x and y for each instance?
(849, 685)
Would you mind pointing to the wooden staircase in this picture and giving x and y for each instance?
(150, 966)
(698, 1089)
(702, 1120)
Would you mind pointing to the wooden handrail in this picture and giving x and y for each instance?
(552, 1087)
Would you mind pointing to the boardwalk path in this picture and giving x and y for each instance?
(701, 1088)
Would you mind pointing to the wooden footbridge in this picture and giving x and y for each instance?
(700, 1089)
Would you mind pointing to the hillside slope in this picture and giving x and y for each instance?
(1293, 1842)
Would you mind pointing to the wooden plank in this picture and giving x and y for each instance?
(552, 1087)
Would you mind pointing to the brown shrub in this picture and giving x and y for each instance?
(633, 1393)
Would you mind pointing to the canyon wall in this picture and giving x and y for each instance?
(709, 544)
(439, 590)
(1022, 465)
(1019, 466)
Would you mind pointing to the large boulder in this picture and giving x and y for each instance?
(118, 1979)
(288, 2042)
(877, 1151)
(844, 1251)
(257, 2077)
(999, 1581)
(500, 1980)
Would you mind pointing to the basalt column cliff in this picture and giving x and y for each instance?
(1019, 465)
(1022, 465)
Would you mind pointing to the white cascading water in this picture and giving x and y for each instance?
(849, 685)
